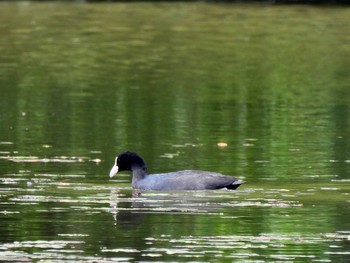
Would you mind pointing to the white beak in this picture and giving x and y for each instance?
(113, 171)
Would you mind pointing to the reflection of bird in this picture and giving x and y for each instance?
(181, 180)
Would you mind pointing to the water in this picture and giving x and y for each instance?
(80, 83)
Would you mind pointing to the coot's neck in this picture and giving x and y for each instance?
(138, 173)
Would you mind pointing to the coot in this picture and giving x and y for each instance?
(181, 180)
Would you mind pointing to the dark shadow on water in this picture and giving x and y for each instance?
(265, 2)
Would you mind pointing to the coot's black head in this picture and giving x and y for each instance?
(127, 161)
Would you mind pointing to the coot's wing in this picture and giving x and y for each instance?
(210, 180)
(188, 180)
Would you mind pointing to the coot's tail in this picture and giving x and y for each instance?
(235, 184)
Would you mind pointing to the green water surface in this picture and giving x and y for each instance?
(80, 83)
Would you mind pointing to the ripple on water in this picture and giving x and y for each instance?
(223, 246)
(257, 248)
(55, 159)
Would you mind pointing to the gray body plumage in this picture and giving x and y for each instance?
(186, 180)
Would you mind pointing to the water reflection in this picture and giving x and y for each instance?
(171, 225)
(186, 202)
(131, 212)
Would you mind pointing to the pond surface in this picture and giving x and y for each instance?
(259, 92)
